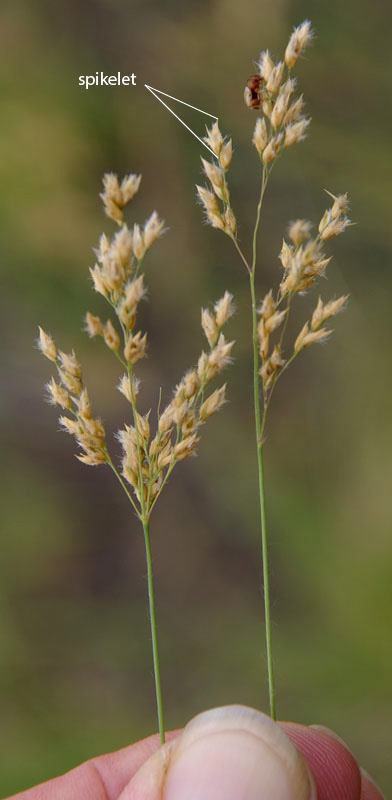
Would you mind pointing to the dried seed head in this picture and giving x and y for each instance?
(294, 112)
(70, 364)
(180, 413)
(260, 135)
(112, 197)
(296, 131)
(129, 186)
(215, 176)
(189, 424)
(265, 65)
(340, 206)
(286, 255)
(270, 369)
(138, 245)
(332, 227)
(112, 187)
(191, 384)
(211, 207)
(166, 456)
(219, 357)
(214, 139)
(299, 39)
(143, 427)
(153, 229)
(226, 155)
(103, 248)
(323, 312)
(130, 390)
(133, 293)
(274, 322)
(213, 403)
(202, 366)
(267, 307)
(135, 348)
(100, 285)
(165, 423)
(93, 325)
(186, 447)
(70, 425)
(115, 197)
(263, 339)
(307, 337)
(111, 336)
(46, 345)
(84, 407)
(179, 395)
(224, 309)
(74, 385)
(275, 78)
(299, 230)
(282, 101)
(121, 249)
(272, 149)
(230, 222)
(58, 395)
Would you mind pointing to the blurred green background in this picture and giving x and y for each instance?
(75, 662)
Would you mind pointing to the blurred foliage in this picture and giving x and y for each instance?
(75, 661)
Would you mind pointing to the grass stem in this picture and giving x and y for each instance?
(154, 637)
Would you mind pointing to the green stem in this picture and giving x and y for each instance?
(259, 443)
(153, 623)
(260, 424)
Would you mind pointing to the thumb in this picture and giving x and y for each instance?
(229, 753)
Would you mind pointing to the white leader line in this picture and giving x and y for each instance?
(150, 89)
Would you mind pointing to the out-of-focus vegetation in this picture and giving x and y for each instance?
(75, 660)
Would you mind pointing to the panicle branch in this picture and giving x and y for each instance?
(147, 458)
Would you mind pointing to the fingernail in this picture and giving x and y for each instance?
(236, 752)
(332, 735)
(378, 795)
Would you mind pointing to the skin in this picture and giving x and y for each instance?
(335, 771)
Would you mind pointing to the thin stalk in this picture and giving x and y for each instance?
(259, 425)
(153, 624)
(259, 443)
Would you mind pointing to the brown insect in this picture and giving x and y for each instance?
(252, 95)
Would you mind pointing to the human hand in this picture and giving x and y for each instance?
(229, 753)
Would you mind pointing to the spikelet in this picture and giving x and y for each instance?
(215, 176)
(272, 149)
(260, 135)
(93, 325)
(111, 337)
(186, 447)
(296, 131)
(226, 155)
(299, 39)
(58, 395)
(307, 337)
(275, 78)
(153, 229)
(209, 326)
(214, 139)
(224, 309)
(265, 65)
(115, 197)
(135, 348)
(299, 231)
(46, 345)
(213, 403)
(323, 312)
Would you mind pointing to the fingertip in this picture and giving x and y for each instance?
(370, 790)
(334, 768)
(231, 752)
